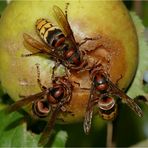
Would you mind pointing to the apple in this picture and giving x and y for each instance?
(108, 21)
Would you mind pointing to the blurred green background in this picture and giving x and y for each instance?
(140, 7)
(128, 128)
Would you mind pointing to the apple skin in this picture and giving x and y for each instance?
(107, 20)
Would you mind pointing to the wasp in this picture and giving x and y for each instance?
(59, 43)
(47, 103)
(104, 95)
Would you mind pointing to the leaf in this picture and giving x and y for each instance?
(137, 87)
(13, 131)
(60, 139)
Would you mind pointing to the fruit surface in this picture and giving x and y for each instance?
(107, 20)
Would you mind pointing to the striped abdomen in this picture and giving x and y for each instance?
(52, 35)
(110, 114)
(72, 56)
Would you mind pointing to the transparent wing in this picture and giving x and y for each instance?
(17, 105)
(132, 104)
(89, 112)
(64, 24)
(39, 47)
(126, 99)
(50, 125)
(36, 44)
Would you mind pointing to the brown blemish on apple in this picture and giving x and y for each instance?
(107, 53)
(116, 40)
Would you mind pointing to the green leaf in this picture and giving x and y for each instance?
(13, 131)
(137, 87)
(60, 139)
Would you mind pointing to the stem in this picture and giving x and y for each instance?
(109, 140)
(138, 7)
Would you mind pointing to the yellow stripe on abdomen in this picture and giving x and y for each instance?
(48, 32)
(42, 25)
